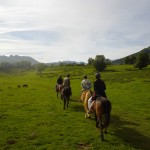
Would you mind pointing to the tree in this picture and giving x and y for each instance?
(40, 67)
(5, 67)
(25, 65)
(99, 63)
(90, 61)
(130, 60)
(108, 62)
(127, 60)
(142, 60)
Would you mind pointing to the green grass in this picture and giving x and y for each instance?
(33, 118)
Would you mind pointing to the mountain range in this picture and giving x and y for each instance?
(16, 58)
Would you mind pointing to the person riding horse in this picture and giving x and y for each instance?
(59, 82)
(99, 90)
(66, 82)
(85, 84)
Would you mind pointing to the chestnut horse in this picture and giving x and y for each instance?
(58, 89)
(102, 107)
(85, 95)
(65, 95)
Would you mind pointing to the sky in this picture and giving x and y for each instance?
(75, 30)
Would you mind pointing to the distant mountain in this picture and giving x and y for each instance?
(16, 58)
(121, 60)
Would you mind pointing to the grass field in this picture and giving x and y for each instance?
(32, 118)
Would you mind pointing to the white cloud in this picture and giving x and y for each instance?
(53, 30)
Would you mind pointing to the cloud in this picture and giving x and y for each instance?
(53, 30)
(35, 36)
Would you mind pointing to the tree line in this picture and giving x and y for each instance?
(21, 66)
(140, 61)
(99, 63)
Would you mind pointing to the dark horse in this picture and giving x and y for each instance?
(102, 107)
(65, 95)
(58, 89)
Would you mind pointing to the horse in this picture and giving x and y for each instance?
(58, 89)
(102, 107)
(65, 95)
(85, 95)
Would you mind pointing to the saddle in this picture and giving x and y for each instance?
(101, 98)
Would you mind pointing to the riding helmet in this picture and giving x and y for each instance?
(85, 76)
(97, 75)
(68, 75)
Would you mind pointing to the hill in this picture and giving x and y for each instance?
(16, 58)
(121, 60)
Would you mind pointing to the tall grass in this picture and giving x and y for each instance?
(33, 118)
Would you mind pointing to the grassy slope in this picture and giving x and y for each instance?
(33, 118)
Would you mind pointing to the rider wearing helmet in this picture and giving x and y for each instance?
(99, 86)
(60, 80)
(99, 90)
(66, 82)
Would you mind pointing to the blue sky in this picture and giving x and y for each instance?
(58, 30)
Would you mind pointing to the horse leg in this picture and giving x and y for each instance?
(64, 102)
(102, 135)
(100, 125)
(85, 115)
(96, 120)
(67, 101)
(105, 131)
(57, 94)
(101, 128)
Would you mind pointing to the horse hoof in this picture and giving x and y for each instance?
(89, 116)
(85, 116)
(102, 138)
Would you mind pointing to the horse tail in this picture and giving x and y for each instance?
(107, 110)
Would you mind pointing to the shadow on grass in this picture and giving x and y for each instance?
(73, 100)
(129, 135)
(78, 108)
(77, 105)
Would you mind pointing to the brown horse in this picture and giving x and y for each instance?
(65, 95)
(58, 89)
(102, 107)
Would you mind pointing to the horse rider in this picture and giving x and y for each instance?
(99, 90)
(66, 82)
(85, 84)
(59, 81)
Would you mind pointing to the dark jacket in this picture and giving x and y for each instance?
(99, 88)
(59, 81)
